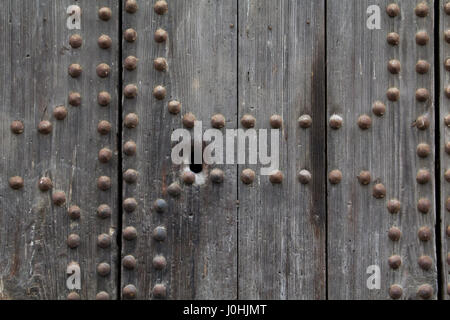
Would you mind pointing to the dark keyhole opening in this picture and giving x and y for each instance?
(195, 167)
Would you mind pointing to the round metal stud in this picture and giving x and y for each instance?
(60, 113)
(104, 41)
(248, 121)
(74, 99)
(131, 120)
(422, 67)
(16, 182)
(74, 212)
(336, 122)
(130, 63)
(395, 291)
(447, 175)
(188, 177)
(159, 291)
(102, 295)
(103, 269)
(393, 94)
(130, 176)
(305, 121)
(103, 70)
(75, 70)
(424, 205)
(447, 148)
(45, 127)
(104, 13)
(379, 191)
(189, 120)
(447, 232)
(159, 92)
(335, 177)
(394, 234)
(422, 10)
(218, 121)
(129, 262)
(160, 36)
(423, 150)
(393, 10)
(45, 184)
(160, 233)
(425, 263)
(447, 8)
(104, 98)
(364, 122)
(73, 241)
(130, 205)
(104, 127)
(378, 108)
(447, 35)
(129, 292)
(105, 155)
(174, 107)
(425, 291)
(394, 66)
(75, 41)
(395, 262)
(248, 176)
(104, 183)
(73, 296)
(422, 38)
(393, 206)
(129, 148)
(174, 190)
(160, 64)
(104, 211)
(422, 122)
(393, 38)
(276, 121)
(276, 177)
(160, 205)
(447, 91)
(161, 7)
(129, 233)
(423, 176)
(447, 64)
(424, 234)
(130, 35)
(217, 176)
(131, 6)
(304, 176)
(104, 241)
(447, 120)
(447, 204)
(159, 263)
(59, 198)
(422, 94)
(17, 127)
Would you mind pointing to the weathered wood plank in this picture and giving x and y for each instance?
(358, 223)
(36, 55)
(282, 227)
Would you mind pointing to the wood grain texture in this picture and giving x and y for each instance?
(33, 231)
(201, 242)
(282, 227)
(358, 223)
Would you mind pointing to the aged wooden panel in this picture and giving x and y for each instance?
(359, 223)
(201, 234)
(282, 226)
(34, 229)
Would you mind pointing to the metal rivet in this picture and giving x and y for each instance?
(103, 70)
(364, 122)
(423, 150)
(130, 35)
(422, 67)
(379, 191)
(189, 120)
(447, 175)
(423, 176)
(447, 148)
(45, 184)
(364, 177)
(378, 108)
(425, 262)
(160, 36)
(16, 182)
(129, 262)
(448, 289)
(422, 94)
(104, 13)
(159, 291)
(247, 176)
(129, 292)
(395, 262)
(104, 127)
(103, 269)
(304, 176)
(447, 92)
(305, 121)
(424, 205)
(131, 120)
(425, 291)
(395, 291)
(73, 296)
(447, 35)
(336, 121)
(130, 91)
(447, 120)
(60, 113)
(104, 41)
(102, 295)
(104, 211)
(74, 99)
(447, 64)
(160, 64)
(218, 121)
(160, 205)
(448, 233)
(159, 92)
(130, 63)
(447, 204)
(130, 233)
(394, 66)
(159, 262)
(161, 7)
(174, 107)
(131, 6)
(59, 198)
(393, 206)
(74, 212)
(105, 155)
(130, 176)
(75, 41)
(335, 176)
(394, 234)
(129, 148)
(73, 241)
(188, 177)
(422, 38)
(393, 38)
(248, 121)
(393, 94)
(276, 177)
(422, 122)
(216, 176)
(160, 233)
(75, 70)
(422, 9)
(130, 205)
(104, 240)
(17, 127)
(45, 127)
(424, 234)
(447, 8)
(104, 183)
(393, 10)
(276, 121)
(174, 189)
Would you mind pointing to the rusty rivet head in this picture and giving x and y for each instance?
(174, 107)
(379, 191)
(16, 182)
(104, 127)
(103, 70)
(447, 204)
(104, 211)
(104, 183)
(447, 35)
(276, 121)
(159, 291)
(395, 262)
(422, 66)
(425, 263)
(74, 99)
(160, 35)
(447, 92)
(160, 205)
(159, 263)
(248, 121)
(447, 175)
(335, 177)
(425, 291)
(73, 296)
(304, 176)
(104, 13)
(336, 121)
(73, 241)
(248, 176)
(130, 35)
(378, 108)
(17, 127)
(161, 7)
(75, 70)
(422, 9)
(160, 233)
(189, 120)
(130, 63)
(103, 98)
(422, 122)
(75, 41)
(393, 38)
(393, 10)
(394, 234)
(45, 127)
(422, 38)
(448, 235)
(130, 233)
(422, 94)
(188, 177)
(217, 176)
(130, 205)
(129, 292)
(447, 120)
(364, 122)
(45, 184)
(159, 92)
(447, 147)
(74, 212)
(395, 291)
(131, 6)
(102, 295)
(218, 121)
(103, 269)
(59, 198)
(447, 8)
(130, 176)
(60, 113)
(104, 155)
(423, 176)
(447, 64)
(129, 262)
(129, 148)
(423, 150)
(424, 205)
(104, 41)
(393, 206)
(276, 177)
(131, 120)
(424, 234)
(160, 64)
(394, 66)
(104, 240)
(130, 91)
(305, 121)
(393, 94)
(174, 190)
